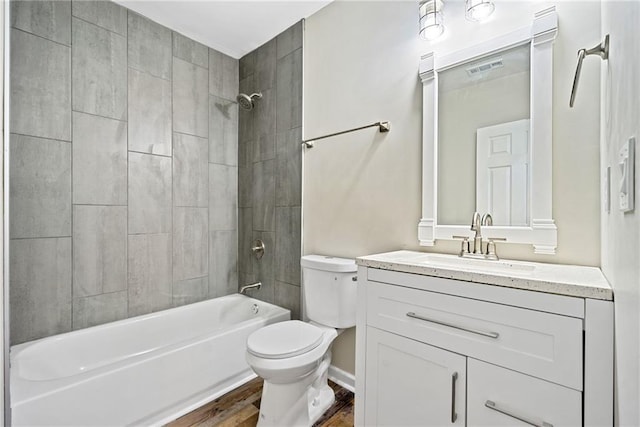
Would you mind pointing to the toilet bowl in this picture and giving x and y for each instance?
(293, 357)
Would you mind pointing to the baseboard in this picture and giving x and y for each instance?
(342, 378)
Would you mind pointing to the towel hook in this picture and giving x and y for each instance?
(602, 50)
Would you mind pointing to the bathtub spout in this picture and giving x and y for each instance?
(245, 288)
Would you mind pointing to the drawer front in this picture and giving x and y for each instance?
(501, 397)
(544, 345)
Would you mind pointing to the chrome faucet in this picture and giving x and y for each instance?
(476, 225)
(245, 288)
(477, 222)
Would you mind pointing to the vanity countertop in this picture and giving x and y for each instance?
(569, 280)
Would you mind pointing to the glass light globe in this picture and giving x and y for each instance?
(478, 10)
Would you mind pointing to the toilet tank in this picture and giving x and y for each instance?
(329, 286)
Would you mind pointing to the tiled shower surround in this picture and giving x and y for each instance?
(124, 167)
(270, 168)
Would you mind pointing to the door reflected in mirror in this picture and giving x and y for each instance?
(483, 139)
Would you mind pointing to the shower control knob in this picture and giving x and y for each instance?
(258, 248)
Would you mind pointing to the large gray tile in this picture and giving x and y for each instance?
(264, 127)
(223, 197)
(99, 250)
(245, 186)
(190, 50)
(246, 118)
(190, 99)
(99, 160)
(190, 171)
(223, 131)
(48, 19)
(289, 170)
(190, 291)
(246, 260)
(149, 46)
(149, 272)
(265, 66)
(99, 309)
(149, 193)
(288, 296)
(190, 243)
(223, 75)
(247, 65)
(40, 187)
(289, 96)
(40, 87)
(99, 62)
(215, 72)
(289, 40)
(230, 81)
(105, 14)
(265, 268)
(288, 245)
(40, 289)
(149, 114)
(264, 195)
(223, 263)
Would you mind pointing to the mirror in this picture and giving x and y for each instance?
(483, 139)
(487, 138)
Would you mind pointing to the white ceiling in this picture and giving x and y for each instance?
(232, 27)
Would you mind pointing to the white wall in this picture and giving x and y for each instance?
(362, 191)
(621, 232)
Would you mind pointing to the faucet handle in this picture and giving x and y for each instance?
(491, 247)
(464, 249)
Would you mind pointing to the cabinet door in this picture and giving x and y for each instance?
(501, 397)
(409, 383)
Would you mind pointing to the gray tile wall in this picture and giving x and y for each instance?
(124, 167)
(270, 168)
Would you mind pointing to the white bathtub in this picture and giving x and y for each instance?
(146, 370)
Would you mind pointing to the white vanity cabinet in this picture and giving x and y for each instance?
(434, 350)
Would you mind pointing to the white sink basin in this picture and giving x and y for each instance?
(478, 265)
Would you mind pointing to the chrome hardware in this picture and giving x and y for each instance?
(255, 309)
(477, 222)
(492, 405)
(493, 335)
(245, 288)
(258, 248)
(476, 225)
(491, 247)
(383, 127)
(454, 416)
(602, 50)
(464, 249)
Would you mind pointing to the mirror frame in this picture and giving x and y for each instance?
(542, 231)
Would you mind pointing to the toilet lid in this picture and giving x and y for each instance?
(284, 339)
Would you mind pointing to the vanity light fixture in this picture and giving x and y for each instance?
(431, 22)
(478, 10)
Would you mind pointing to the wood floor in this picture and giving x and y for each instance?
(240, 408)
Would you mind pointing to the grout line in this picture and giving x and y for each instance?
(98, 115)
(99, 26)
(42, 137)
(44, 38)
(72, 186)
(148, 154)
(126, 246)
(37, 238)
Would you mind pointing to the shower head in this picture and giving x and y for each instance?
(246, 101)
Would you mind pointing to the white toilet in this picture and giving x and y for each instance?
(293, 357)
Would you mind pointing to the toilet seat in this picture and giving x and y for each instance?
(284, 339)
